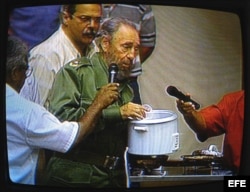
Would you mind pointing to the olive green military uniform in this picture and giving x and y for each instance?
(87, 165)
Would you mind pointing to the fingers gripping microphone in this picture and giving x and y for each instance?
(173, 91)
(113, 71)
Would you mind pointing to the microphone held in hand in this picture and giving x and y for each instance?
(173, 91)
(113, 71)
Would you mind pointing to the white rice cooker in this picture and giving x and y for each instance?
(157, 134)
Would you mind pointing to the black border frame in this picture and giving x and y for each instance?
(240, 7)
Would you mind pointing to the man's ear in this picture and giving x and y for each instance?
(65, 17)
(15, 74)
(105, 43)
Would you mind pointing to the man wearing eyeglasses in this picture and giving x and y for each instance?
(73, 39)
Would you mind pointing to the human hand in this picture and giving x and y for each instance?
(185, 107)
(107, 95)
(133, 111)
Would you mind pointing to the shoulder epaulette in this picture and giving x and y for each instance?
(79, 62)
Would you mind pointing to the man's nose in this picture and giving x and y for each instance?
(132, 53)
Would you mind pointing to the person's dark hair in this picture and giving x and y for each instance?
(71, 8)
(17, 52)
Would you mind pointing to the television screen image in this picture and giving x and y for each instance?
(193, 56)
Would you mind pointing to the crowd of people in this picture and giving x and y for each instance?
(58, 96)
(80, 51)
(31, 127)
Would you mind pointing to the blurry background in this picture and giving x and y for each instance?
(199, 52)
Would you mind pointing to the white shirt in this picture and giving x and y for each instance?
(29, 128)
(46, 59)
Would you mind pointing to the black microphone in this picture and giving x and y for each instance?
(113, 71)
(173, 91)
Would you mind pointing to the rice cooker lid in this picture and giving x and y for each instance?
(166, 116)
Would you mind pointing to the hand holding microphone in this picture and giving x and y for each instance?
(173, 91)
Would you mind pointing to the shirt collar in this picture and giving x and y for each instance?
(65, 39)
(10, 90)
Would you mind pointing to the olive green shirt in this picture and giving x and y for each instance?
(73, 91)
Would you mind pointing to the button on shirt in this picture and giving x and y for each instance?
(29, 128)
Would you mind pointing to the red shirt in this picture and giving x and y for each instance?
(227, 117)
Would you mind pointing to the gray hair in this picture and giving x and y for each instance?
(17, 50)
(111, 26)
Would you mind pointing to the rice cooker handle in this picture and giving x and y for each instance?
(142, 129)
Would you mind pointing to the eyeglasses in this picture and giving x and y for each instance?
(88, 19)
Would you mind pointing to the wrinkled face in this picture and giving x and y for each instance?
(83, 25)
(123, 48)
